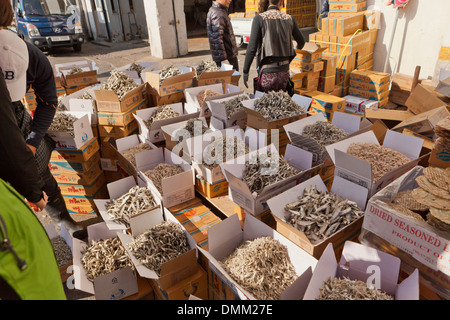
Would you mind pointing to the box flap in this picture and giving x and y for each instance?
(408, 145)
(343, 145)
(120, 187)
(348, 122)
(349, 190)
(299, 125)
(421, 100)
(116, 285)
(106, 95)
(353, 169)
(178, 269)
(409, 288)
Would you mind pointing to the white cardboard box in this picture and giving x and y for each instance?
(219, 118)
(360, 171)
(257, 204)
(117, 189)
(82, 132)
(74, 103)
(133, 74)
(175, 189)
(113, 286)
(123, 144)
(358, 262)
(155, 134)
(226, 236)
(359, 105)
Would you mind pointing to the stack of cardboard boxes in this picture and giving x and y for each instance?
(370, 85)
(73, 81)
(303, 12)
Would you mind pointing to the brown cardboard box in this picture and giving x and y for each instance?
(422, 100)
(347, 25)
(118, 131)
(82, 155)
(171, 85)
(388, 114)
(120, 118)
(207, 78)
(424, 122)
(108, 101)
(348, 6)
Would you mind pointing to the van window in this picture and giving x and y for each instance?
(48, 7)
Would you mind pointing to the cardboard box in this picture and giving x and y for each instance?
(118, 131)
(308, 58)
(219, 118)
(115, 191)
(439, 157)
(341, 187)
(79, 155)
(67, 238)
(75, 103)
(359, 262)
(82, 133)
(83, 79)
(224, 237)
(348, 7)
(420, 240)
(326, 104)
(108, 101)
(72, 177)
(84, 190)
(113, 286)
(79, 210)
(211, 190)
(424, 122)
(372, 77)
(388, 114)
(138, 78)
(64, 167)
(85, 201)
(358, 105)
(421, 100)
(360, 171)
(154, 133)
(175, 189)
(219, 77)
(372, 19)
(240, 193)
(368, 94)
(347, 25)
(170, 85)
(120, 119)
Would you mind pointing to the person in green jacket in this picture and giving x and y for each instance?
(28, 265)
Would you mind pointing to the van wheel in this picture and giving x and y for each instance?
(77, 47)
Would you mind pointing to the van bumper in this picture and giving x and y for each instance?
(49, 42)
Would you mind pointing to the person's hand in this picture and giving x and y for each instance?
(246, 79)
(42, 203)
(32, 148)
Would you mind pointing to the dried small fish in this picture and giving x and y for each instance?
(324, 132)
(159, 244)
(222, 150)
(168, 72)
(346, 289)
(119, 82)
(195, 127)
(103, 257)
(136, 67)
(86, 95)
(321, 214)
(161, 171)
(63, 122)
(75, 70)
(163, 112)
(62, 251)
(61, 106)
(276, 105)
(206, 66)
(265, 169)
(262, 267)
(383, 159)
(205, 94)
(136, 200)
(234, 105)
(130, 153)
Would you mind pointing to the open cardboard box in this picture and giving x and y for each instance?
(175, 189)
(240, 193)
(85, 78)
(221, 77)
(424, 122)
(113, 286)
(360, 171)
(346, 189)
(154, 134)
(219, 118)
(170, 85)
(235, 76)
(138, 79)
(307, 57)
(82, 132)
(122, 145)
(64, 234)
(108, 101)
(75, 103)
(425, 243)
(116, 190)
(359, 262)
(226, 236)
(191, 94)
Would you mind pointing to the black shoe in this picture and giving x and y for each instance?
(80, 234)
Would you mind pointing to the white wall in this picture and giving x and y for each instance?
(422, 28)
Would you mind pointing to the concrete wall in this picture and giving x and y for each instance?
(422, 28)
(114, 20)
(139, 14)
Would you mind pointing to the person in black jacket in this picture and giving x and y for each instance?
(221, 36)
(271, 41)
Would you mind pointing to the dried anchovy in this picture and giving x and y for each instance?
(63, 122)
(136, 200)
(207, 66)
(192, 126)
(119, 82)
(276, 105)
(61, 106)
(383, 159)
(86, 95)
(265, 169)
(75, 70)
(159, 244)
(163, 112)
(321, 214)
(222, 150)
(161, 171)
(262, 267)
(62, 251)
(105, 256)
(204, 94)
(168, 72)
(130, 153)
(346, 289)
(324, 132)
(234, 105)
(136, 67)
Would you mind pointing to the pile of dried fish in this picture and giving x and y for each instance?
(63, 122)
(204, 94)
(383, 159)
(75, 70)
(234, 105)
(163, 112)
(324, 132)
(62, 251)
(264, 169)
(321, 214)
(162, 171)
(61, 106)
(276, 105)
(119, 82)
(195, 127)
(86, 95)
(103, 257)
(159, 245)
(136, 67)
(136, 200)
(262, 267)
(130, 153)
(206, 66)
(346, 289)
(168, 72)
(222, 150)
